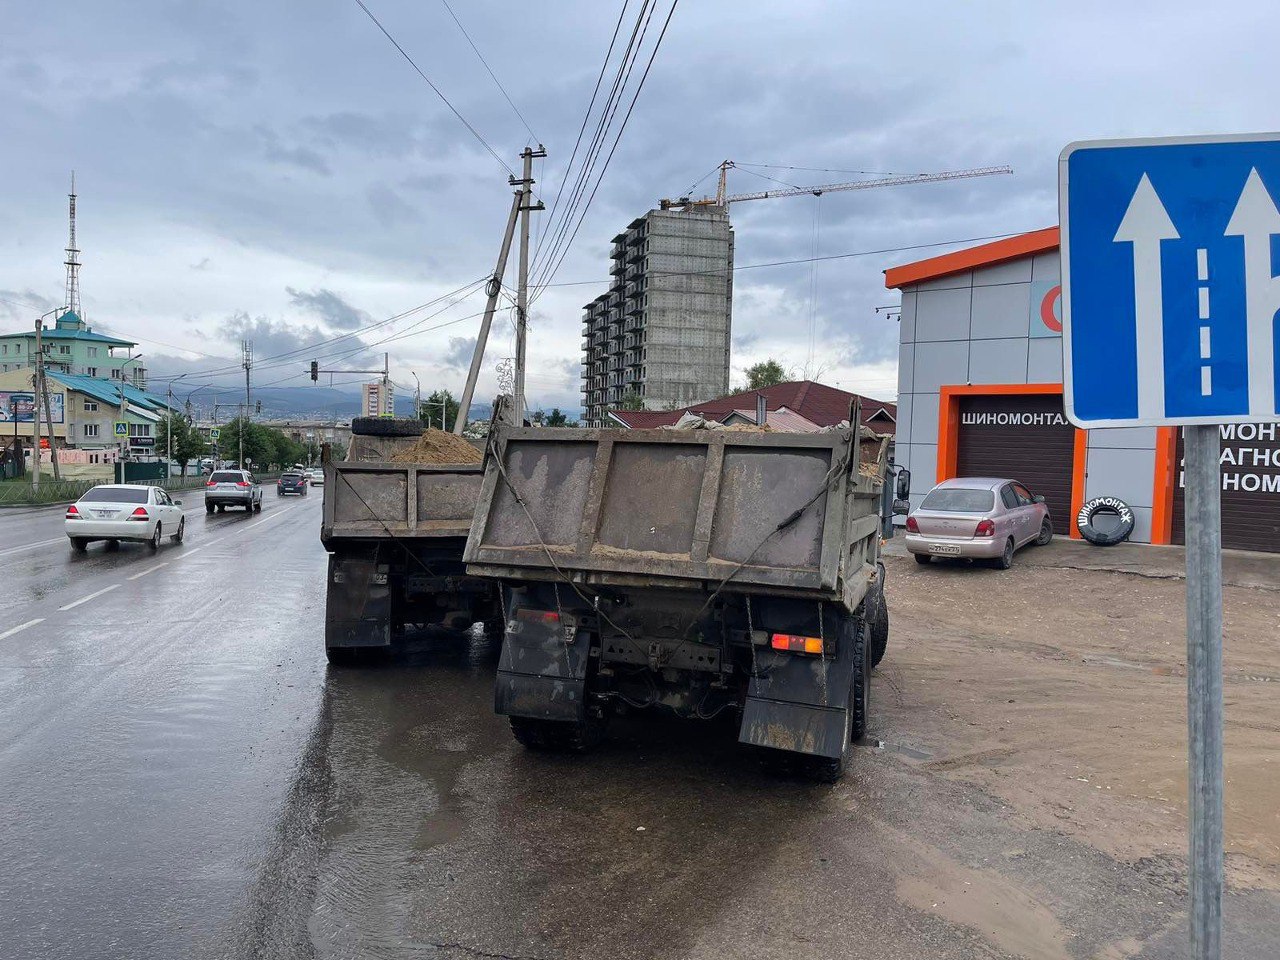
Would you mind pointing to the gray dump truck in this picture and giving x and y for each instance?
(702, 571)
(395, 533)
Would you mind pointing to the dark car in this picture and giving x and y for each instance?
(292, 483)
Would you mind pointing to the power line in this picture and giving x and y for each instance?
(783, 263)
(621, 129)
(474, 132)
(581, 130)
(490, 70)
(784, 166)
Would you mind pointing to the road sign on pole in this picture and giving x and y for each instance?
(1168, 293)
(1169, 302)
(122, 428)
(214, 434)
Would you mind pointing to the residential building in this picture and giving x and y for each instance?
(71, 347)
(800, 406)
(662, 331)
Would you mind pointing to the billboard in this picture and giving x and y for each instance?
(18, 406)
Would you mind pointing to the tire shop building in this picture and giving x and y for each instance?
(980, 394)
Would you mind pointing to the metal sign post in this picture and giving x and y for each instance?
(1169, 299)
(1204, 685)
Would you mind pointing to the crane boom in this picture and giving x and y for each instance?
(721, 199)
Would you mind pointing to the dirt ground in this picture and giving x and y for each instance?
(1063, 692)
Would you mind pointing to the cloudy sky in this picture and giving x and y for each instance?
(278, 171)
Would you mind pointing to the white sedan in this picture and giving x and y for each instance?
(316, 476)
(121, 511)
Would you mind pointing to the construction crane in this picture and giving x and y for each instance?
(722, 198)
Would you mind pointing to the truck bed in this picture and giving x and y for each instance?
(684, 509)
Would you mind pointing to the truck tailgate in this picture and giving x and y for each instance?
(668, 506)
(374, 500)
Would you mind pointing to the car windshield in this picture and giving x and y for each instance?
(115, 495)
(959, 500)
(226, 476)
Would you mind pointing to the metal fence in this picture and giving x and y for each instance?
(19, 493)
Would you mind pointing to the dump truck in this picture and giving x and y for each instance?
(696, 571)
(395, 532)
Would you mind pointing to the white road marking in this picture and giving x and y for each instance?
(30, 546)
(20, 627)
(187, 553)
(1202, 264)
(92, 596)
(139, 576)
(1204, 303)
(1206, 381)
(1204, 343)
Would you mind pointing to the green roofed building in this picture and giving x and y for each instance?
(71, 347)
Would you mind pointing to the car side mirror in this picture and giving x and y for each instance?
(1038, 498)
(901, 507)
(902, 490)
(177, 503)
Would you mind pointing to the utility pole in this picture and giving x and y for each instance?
(35, 418)
(494, 288)
(43, 397)
(522, 291)
(417, 396)
(248, 366)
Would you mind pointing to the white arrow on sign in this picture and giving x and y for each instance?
(1256, 219)
(1146, 224)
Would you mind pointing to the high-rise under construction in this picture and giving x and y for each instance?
(660, 335)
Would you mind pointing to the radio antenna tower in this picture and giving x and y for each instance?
(73, 257)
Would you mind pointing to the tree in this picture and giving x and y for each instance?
(631, 401)
(175, 433)
(258, 447)
(441, 401)
(556, 418)
(766, 373)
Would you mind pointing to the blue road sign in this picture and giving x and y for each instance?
(122, 428)
(1169, 294)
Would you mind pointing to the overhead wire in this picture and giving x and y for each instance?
(465, 122)
(581, 130)
(621, 129)
(489, 69)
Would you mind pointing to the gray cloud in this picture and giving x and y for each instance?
(330, 307)
(460, 352)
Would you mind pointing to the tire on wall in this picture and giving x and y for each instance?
(386, 427)
(1100, 507)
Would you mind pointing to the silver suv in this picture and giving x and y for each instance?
(232, 488)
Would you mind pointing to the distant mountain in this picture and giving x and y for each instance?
(310, 403)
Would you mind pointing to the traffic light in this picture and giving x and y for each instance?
(257, 407)
(315, 369)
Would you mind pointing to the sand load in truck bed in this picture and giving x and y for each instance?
(436, 446)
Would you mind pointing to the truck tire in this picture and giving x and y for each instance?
(831, 769)
(879, 635)
(386, 427)
(558, 736)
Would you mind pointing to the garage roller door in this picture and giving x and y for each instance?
(1250, 488)
(1026, 438)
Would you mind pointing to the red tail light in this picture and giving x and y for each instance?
(139, 514)
(912, 526)
(537, 616)
(211, 483)
(985, 528)
(242, 485)
(73, 513)
(795, 644)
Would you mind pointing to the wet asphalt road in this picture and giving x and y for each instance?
(182, 776)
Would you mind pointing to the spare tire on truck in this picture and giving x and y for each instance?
(386, 427)
(1110, 534)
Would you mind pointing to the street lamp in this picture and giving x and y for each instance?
(168, 427)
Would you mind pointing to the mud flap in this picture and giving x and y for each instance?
(541, 674)
(357, 603)
(799, 702)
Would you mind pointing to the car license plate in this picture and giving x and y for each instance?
(104, 513)
(946, 549)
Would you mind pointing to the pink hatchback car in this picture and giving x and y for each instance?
(977, 517)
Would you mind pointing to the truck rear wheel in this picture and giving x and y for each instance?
(831, 769)
(558, 736)
(347, 656)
